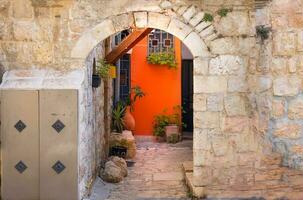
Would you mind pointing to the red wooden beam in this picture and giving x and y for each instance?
(129, 42)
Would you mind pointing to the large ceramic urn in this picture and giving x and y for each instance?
(129, 120)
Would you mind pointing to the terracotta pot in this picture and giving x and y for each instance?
(171, 129)
(172, 133)
(129, 120)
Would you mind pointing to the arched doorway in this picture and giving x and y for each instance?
(175, 26)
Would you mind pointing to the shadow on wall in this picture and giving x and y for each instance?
(1, 72)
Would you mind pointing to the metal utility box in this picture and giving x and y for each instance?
(39, 138)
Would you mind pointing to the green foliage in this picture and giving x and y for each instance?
(163, 58)
(138, 93)
(190, 194)
(208, 17)
(223, 12)
(117, 117)
(121, 143)
(263, 32)
(164, 119)
(159, 125)
(175, 118)
(103, 69)
(135, 93)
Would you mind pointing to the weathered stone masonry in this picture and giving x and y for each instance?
(247, 93)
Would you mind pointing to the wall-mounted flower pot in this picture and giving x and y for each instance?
(96, 81)
(112, 72)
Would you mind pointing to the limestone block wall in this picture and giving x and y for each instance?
(224, 138)
(286, 63)
(92, 125)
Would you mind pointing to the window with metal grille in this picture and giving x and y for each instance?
(160, 41)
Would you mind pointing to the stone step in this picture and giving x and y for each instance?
(187, 166)
(198, 192)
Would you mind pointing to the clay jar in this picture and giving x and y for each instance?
(129, 120)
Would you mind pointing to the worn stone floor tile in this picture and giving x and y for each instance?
(157, 174)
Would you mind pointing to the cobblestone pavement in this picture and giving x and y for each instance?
(157, 174)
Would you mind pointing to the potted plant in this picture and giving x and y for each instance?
(101, 69)
(172, 133)
(168, 127)
(117, 117)
(160, 122)
(135, 93)
(117, 126)
(173, 129)
(163, 58)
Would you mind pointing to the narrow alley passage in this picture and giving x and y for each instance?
(157, 174)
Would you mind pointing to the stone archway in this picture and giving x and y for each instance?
(210, 145)
(194, 33)
(187, 34)
(230, 155)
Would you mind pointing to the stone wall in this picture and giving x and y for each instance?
(246, 91)
(92, 126)
(286, 64)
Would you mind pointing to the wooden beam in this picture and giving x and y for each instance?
(129, 42)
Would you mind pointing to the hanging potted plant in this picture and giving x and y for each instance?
(102, 70)
(135, 93)
(163, 58)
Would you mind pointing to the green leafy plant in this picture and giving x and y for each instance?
(138, 93)
(160, 122)
(208, 17)
(163, 58)
(263, 32)
(163, 120)
(135, 93)
(117, 117)
(103, 69)
(123, 142)
(175, 118)
(223, 12)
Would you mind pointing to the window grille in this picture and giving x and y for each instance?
(160, 41)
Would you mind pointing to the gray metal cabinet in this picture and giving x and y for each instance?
(39, 144)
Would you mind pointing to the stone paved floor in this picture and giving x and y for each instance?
(157, 174)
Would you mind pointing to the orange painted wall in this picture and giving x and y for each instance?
(161, 85)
